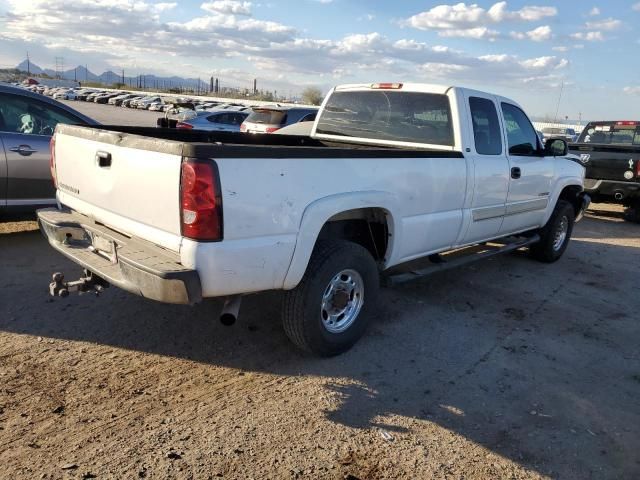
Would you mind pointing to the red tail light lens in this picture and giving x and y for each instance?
(200, 200)
(52, 161)
(243, 128)
(184, 125)
(271, 129)
(638, 168)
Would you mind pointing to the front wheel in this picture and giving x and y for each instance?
(555, 235)
(329, 310)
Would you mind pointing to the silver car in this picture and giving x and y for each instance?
(215, 120)
(27, 121)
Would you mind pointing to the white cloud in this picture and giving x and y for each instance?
(131, 34)
(539, 34)
(229, 7)
(594, 12)
(560, 49)
(608, 24)
(323, 1)
(477, 33)
(473, 21)
(632, 90)
(588, 36)
(636, 7)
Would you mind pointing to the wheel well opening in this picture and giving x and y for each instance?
(571, 195)
(367, 227)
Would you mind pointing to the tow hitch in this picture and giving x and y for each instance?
(87, 283)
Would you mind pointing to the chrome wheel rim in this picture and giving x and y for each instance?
(342, 301)
(561, 234)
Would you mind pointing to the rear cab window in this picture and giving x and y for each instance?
(618, 133)
(413, 117)
(486, 126)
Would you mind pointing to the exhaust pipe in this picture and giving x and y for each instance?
(230, 310)
(618, 195)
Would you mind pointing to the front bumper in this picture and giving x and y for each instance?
(132, 264)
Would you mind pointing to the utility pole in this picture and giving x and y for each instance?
(28, 65)
(123, 76)
(555, 120)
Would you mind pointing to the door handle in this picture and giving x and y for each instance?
(515, 172)
(24, 150)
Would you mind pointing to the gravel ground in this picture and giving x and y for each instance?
(504, 369)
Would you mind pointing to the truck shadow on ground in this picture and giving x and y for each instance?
(537, 363)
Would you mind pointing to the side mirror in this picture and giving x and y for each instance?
(556, 147)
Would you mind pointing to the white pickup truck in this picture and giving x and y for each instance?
(391, 173)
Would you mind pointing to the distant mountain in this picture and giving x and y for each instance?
(27, 66)
(82, 74)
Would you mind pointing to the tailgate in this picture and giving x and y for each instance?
(129, 183)
(607, 162)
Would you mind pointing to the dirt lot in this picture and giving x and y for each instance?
(506, 369)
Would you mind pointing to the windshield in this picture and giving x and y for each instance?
(619, 133)
(389, 115)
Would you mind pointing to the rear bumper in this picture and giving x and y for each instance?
(131, 264)
(609, 188)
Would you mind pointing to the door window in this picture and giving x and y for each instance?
(521, 135)
(26, 115)
(486, 127)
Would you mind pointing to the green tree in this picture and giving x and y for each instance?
(312, 96)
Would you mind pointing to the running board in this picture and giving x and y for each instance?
(460, 257)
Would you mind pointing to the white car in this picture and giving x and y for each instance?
(156, 107)
(390, 174)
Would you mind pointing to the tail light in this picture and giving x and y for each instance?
(243, 127)
(52, 161)
(638, 168)
(271, 129)
(200, 200)
(184, 125)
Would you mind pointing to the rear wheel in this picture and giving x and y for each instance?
(555, 235)
(329, 310)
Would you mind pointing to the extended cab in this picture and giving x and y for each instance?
(610, 151)
(391, 173)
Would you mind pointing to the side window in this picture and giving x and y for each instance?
(309, 117)
(486, 126)
(20, 114)
(521, 135)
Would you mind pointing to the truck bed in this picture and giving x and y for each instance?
(201, 144)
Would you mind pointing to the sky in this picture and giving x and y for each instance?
(577, 58)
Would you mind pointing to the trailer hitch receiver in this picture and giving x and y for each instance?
(89, 282)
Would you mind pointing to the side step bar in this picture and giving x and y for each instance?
(458, 258)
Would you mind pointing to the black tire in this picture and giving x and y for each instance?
(302, 309)
(547, 250)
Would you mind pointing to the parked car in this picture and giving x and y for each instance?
(146, 102)
(391, 173)
(221, 121)
(129, 101)
(270, 119)
(568, 134)
(27, 121)
(103, 99)
(117, 100)
(156, 106)
(610, 151)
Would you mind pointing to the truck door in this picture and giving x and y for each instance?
(490, 169)
(530, 173)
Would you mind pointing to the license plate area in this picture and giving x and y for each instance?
(105, 247)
